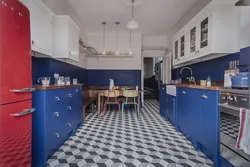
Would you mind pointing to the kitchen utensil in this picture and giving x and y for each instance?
(75, 81)
(111, 84)
(67, 80)
(227, 78)
(240, 80)
(203, 82)
(44, 80)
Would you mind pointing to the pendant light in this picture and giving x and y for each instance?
(130, 41)
(117, 38)
(104, 40)
(132, 24)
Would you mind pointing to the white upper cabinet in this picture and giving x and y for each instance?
(213, 32)
(66, 38)
(41, 19)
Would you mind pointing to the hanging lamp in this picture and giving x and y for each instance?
(104, 39)
(130, 42)
(117, 38)
(132, 24)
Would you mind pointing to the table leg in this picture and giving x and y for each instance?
(139, 102)
(99, 105)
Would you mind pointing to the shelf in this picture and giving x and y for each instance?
(110, 56)
(204, 29)
(205, 40)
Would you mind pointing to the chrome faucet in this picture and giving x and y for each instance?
(191, 79)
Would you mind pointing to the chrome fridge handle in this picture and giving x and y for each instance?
(25, 112)
(24, 90)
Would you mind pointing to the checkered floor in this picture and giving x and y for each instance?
(145, 141)
(229, 125)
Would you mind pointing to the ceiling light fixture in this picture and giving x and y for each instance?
(117, 37)
(132, 24)
(104, 40)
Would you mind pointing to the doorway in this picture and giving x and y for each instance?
(152, 76)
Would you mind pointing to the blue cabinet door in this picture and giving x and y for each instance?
(170, 108)
(208, 135)
(182, 109)
(163, 100)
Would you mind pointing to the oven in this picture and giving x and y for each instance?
(231, 100)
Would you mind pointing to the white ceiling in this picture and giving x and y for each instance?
(154, 16)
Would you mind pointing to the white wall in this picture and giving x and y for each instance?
(96, 41)
(58, 7)
(154, 41)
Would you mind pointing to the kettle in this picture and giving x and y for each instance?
(240, 80)
(111, 84)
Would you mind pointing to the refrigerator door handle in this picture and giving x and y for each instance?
(25, 112)
(24, 90)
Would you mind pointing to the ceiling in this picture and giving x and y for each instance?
(155, 17)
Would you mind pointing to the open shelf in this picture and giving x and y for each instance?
(110, 56)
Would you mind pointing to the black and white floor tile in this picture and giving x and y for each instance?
(229, 125)
(144, 141)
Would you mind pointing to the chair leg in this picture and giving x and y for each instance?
(92, 108)
(104, 110)
(123, 111)
(119, 106)
(83, 113)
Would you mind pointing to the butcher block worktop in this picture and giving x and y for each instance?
(52, 87)
(213, 87)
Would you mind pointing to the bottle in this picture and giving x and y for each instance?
(208, 81)
(136, 88)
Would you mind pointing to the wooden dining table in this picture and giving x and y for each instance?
(101, 95)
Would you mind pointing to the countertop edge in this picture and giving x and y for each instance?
(54, 87)
(213, 87)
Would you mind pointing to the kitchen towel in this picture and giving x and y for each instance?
(243, 140)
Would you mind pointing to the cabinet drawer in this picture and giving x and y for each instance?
(56, 100)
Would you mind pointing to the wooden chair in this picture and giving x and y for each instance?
(89, 99)
(130, 94)
(111, 94)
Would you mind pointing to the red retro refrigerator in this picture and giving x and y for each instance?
(15, 85)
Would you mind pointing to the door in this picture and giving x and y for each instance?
(15, 72)
(193, 41)
(209, 119)
(205, 35)
(73, 40)
(15, 134)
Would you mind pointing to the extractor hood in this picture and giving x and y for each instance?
(243, 3)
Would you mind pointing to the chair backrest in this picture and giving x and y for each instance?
(130, 93)
(111, 93)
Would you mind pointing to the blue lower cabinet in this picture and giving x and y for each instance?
(58, 114)
(197, 117)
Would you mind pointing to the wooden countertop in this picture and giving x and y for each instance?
(213, 87)
(52, 87)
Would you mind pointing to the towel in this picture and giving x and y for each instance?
(243, 140)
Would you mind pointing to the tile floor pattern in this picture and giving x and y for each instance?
(147, 141)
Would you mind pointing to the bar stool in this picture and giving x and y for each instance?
(130, 94)
(111, 94)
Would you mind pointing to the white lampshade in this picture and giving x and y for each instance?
(132, 24)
